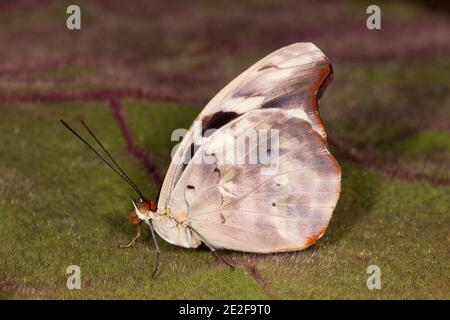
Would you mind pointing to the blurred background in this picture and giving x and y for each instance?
(189, 51)
(154, 64)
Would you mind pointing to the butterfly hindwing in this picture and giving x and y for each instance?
(284, 203)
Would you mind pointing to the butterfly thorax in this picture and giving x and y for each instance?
(173, 227)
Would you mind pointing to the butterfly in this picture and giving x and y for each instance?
(281, 203)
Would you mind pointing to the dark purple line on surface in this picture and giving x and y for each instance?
(352, 152)
(96, 95)
(250, 266)
(145, 157)
(248, 262)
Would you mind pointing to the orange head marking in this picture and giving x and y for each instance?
(134, 219)
(144, 207)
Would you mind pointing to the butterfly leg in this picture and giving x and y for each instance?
(213, 250)
(158, 251)
(129, 244)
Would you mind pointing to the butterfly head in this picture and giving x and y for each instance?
(143, 209)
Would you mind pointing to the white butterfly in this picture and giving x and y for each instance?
(236, 207)
(239, 206)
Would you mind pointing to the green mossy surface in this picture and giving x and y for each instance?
(60, 206)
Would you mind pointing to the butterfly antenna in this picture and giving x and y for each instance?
(110, 157)
(104, 160)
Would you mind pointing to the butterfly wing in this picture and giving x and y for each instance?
(291, 78)
(283, 203)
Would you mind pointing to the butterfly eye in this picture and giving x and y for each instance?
(144, 207)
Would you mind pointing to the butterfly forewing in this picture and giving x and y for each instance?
(290, 78)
